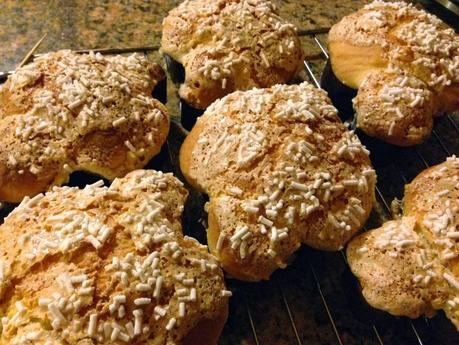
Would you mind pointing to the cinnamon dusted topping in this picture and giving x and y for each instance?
(74, 259)
(423, 245)
(272, 184)
(62, 102)
(230, 45)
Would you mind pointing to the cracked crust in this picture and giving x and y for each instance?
(67, 112)
(229, 45)
(116, 255)
(408, 121)
(280, 170)
(410, 267)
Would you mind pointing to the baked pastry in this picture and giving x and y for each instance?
(410, 266)
(108, 266)
(395, 107)
(229, 45)
(280, 169)
(412, 51)
(66, 112)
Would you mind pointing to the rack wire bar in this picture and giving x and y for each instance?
(327, 309)
(252, 324)
(170, 164)
(453, 123)
(289, 313)
(380, 195)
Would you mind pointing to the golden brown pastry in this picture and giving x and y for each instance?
(229, 45)
(280, 170)
(66, 112)
(386, 42)
(108, 266)
(395, 107)
(410, 267)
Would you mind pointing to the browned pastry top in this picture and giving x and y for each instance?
(68, 111)
(408, 38)
(228, 45)
(410, 266)
(405, 64)
(280, 169)
(107, 266)
(396, 107)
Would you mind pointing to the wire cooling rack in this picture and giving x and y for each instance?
(316, 300)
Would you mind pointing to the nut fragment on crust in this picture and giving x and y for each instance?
(66, 112)
(229, 45)
(280, 170)
(409, 267)
(108, 265)
(366, 49)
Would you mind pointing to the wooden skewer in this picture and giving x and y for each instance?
(108, 51)
(32, 51)
(4, 75)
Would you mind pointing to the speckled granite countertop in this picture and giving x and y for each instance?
(90, 24)
(275, 312)
(79, 24)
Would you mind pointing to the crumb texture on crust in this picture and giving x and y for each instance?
(410, 267)
(280, 170)
(107, 266)
(396, 107)
(229, 45)
(386, 38)
(66, 112)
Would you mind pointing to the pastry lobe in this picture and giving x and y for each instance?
(410, 267)
(386, 42)
(67, 112)
(394, 33)
(229, 45)
(280, 170)
(385, 262)
(108, 266)
(395, 107)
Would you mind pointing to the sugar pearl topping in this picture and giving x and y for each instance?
(282, 160)
(429, 233)
(418, 37)
(404, 89)
(119, 270)
(397, 103)
(63, 96)
(216, 41)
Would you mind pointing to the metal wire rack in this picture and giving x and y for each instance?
(316, 300)
(341, 306)
(309, 302)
